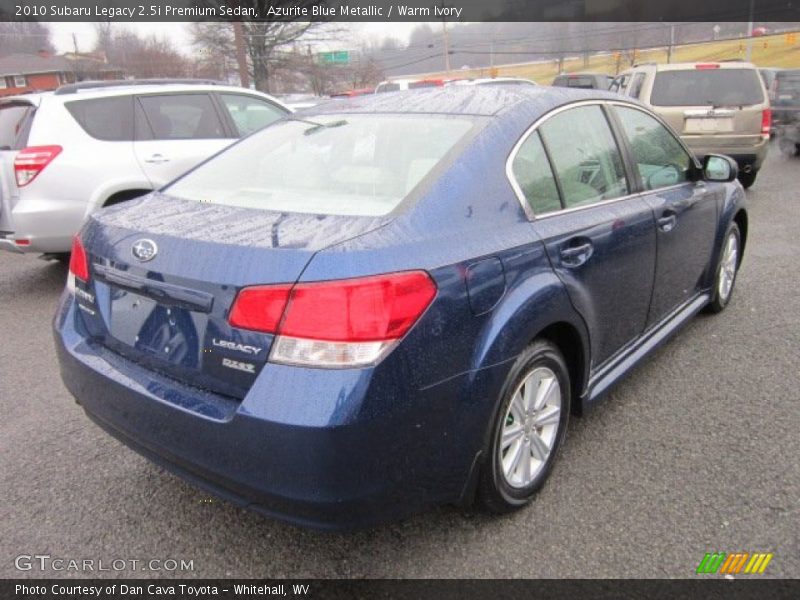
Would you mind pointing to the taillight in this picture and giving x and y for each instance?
(343, 323)
(766, 121)
(31, 161)
(78, 264)
(704, 66)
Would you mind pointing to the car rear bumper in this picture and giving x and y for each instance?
(46, 225)
(337, 470)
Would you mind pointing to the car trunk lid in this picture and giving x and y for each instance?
(165, 273)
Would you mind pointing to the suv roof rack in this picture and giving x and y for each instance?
(72, 88)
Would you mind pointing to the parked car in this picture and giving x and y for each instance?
(401, 85)
(396, 301)
(64, 155)
(716, 107)
(493, 81)
(784, 95)
(768, 76)
(588, 81)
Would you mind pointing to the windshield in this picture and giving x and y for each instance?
(707, 87)
(334, 164)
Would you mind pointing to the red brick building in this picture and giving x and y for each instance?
(20, 73)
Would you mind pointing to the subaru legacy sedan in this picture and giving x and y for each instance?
(395, 301)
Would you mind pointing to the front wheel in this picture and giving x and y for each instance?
(727, 268)
(528, 430)
(747, 179)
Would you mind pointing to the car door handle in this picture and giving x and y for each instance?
(667, 221)
(156, 159)
(575, 256)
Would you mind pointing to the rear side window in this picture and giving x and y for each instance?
(585, 156)
(15, 122)
(788, 84)
(250, 114)
(659, 157)
(636, 85)
(182, 117)
(707, 87)
(107, 119)
(532, 172)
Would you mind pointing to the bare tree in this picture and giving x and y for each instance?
(265, 39)
(26, 37)
(148, 57)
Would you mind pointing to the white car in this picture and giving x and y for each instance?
(67, 153)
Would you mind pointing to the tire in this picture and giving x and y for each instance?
(727, 268)
(504, 484)
(747, 179)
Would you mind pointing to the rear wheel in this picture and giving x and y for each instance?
(528, 430)
(747, 179)
(727, 268)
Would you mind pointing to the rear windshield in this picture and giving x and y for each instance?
(788, 81)
(580, 82)
(707, 87)
(14, 125)
(334, 165)
(415, 85)
(387, 87)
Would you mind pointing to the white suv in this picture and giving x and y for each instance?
(67, 153)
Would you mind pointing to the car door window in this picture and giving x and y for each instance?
(250, 114)
(585, 156)
(182, 117)
(635, 89)
(660, 159)
(532, 172)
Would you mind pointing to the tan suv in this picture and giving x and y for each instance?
(715, 107)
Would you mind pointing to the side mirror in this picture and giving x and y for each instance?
(717, 167)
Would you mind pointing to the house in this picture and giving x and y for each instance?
(20, 73)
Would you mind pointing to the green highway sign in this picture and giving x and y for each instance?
(338, 57)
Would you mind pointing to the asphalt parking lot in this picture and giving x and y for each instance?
(697, 451)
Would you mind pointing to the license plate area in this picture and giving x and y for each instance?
(708, 125)
(165, 332)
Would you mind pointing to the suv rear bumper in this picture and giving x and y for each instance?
(46, 224)
(313, 460)
(747, 156)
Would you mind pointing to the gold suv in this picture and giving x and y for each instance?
(715, 107)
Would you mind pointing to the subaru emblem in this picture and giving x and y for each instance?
(144, 250)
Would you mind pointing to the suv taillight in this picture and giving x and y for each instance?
(32, 160)
(343, 323)
(766, 121)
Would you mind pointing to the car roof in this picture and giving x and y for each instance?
(472, 100)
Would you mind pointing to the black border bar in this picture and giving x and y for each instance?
(409, 589)
(402, 10)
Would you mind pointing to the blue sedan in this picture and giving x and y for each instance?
(395, 301)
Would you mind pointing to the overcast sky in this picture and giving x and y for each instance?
(178, 33)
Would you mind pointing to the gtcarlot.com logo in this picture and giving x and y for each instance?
(734, 563)
(46, 562)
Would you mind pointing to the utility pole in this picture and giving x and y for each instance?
(446, 47)
(75, 43)
(445, 40)
(749, 51)
(670, 43)
(241, 58)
